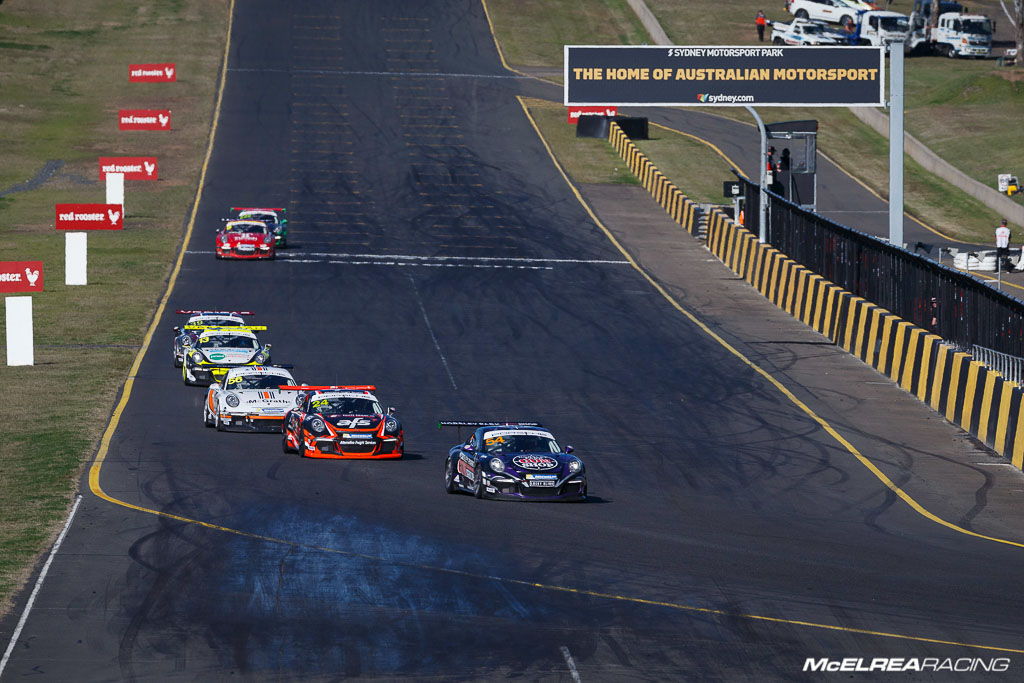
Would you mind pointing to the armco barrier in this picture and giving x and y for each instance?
(964, 390)
(681, 208)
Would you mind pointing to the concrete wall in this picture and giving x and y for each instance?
(932, 162)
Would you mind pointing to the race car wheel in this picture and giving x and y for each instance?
(285, 446)
(801, 14)
(478, 491)
(217, 423)
(207, 420)
(778, 41)
(845, 19)
(177, 363)
(449, 477)
(302, 447)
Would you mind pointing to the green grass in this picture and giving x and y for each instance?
(60, 103)
(693, 166)
(586, 160)
(532, 32)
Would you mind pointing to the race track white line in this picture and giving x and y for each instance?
(38, 586)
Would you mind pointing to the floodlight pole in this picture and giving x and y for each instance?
(896, 143)
(762, 222)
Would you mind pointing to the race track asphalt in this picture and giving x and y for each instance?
(437, 253)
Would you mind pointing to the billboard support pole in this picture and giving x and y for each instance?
(896, 144)
(762, 208)
(19, 330)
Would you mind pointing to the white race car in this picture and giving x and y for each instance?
(248, 399)
(199, 319)
(220, 348)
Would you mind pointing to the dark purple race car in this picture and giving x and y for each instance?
(513, 461)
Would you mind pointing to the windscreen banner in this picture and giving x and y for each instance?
(737, 76)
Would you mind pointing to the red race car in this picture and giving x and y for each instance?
(245, 240)
(341, 422)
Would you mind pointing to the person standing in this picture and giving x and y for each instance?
(760, 20)
(1002, 235)
(1002, 244)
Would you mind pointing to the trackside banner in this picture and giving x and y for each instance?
(21, 276)
(818, 76)
(89, 217)
(133, 168)
(144, 119)
(574, 113)
(152, 73)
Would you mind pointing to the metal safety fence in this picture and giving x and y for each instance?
(1010, 367)
(954, 305)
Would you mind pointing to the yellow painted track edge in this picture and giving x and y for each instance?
(129, 383)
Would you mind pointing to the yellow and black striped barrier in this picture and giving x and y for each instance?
(960, 388)
(681, 208)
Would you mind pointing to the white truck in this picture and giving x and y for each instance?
(804, 32)
(880, 27)
(955, 34)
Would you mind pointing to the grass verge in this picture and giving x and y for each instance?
(533, 32)
(64, 80)
(695, 168)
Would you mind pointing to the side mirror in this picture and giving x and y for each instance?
(214, 384)
(267, 346)
(177, 330)
(284, 221)
(569, 449)
(391, 410)
(187, 341)
(468, 447)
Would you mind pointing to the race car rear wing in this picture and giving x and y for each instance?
(255, 208)
(228, 328)
(486, 423)
(183, 312)
(327, 387)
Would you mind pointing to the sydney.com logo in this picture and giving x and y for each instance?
(723, 99)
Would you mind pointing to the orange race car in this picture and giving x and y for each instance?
(341, 422)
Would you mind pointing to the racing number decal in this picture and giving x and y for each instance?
(235, 380)
(494, 440)
(317, 404)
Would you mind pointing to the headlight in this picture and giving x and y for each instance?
(259, 358)
(497, 465)
(575, 466)
(196, 357)
(317, 426)
(298, 398)
(391, 426)
(231, 400)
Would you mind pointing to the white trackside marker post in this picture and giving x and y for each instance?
(115, 189)
(19, 330)
(76, 258)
